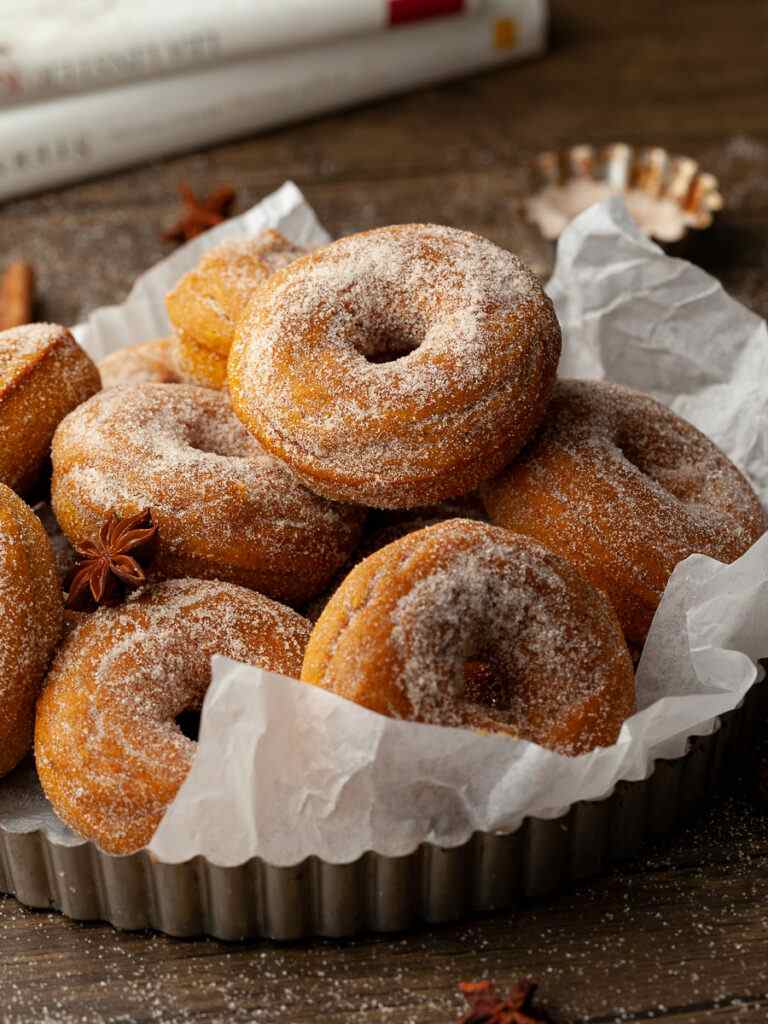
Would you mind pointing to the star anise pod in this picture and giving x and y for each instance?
(487, 1007)
(109, 565)
(200, 214)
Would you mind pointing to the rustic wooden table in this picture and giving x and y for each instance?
(681, 935)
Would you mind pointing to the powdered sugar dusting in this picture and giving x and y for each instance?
(21, 345)
(225, 509)
(30, 622)
(234, 260)
(386, 526)
(636, 490)
(471, 344)
(137, 364)
(110, 754)
(478, 594)
(43, 374)
(207, 301)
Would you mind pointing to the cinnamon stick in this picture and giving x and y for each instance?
(17, 295)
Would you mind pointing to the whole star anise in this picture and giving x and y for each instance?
(200, 214)
(486, 1006)
(105, 569)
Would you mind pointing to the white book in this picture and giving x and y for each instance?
(65, 140)
(51, 48)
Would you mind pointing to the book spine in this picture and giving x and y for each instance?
(69, 139)
(64, 55)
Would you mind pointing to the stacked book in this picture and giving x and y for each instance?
(93, 85)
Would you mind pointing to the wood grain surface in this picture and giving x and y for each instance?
(681, 935)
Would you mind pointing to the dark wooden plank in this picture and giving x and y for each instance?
(677, 934)
(681, 935)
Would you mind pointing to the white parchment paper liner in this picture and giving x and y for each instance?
(284, 770)
(143, 315)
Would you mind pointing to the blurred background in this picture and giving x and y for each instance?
(255, 95)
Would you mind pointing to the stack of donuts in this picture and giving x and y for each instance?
(364, 473)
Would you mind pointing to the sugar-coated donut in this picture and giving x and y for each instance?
(624, 489)
(224, 508)
(384, 526)
(466, 624)
(30, 622)
(137, 364)
(109, 752)
(198, 364)
(389, 368)
(207, 302)
(43, 375)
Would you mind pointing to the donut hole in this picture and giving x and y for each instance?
(632, 454)
(391, 348)
(386, 346)
(673, 479)
(486, 683)
(384, 338)
(189, 723)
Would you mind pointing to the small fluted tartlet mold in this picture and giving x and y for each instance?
(666, 194)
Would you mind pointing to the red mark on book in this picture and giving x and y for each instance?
(401, 11)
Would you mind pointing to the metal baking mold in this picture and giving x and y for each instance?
(375, 893)
(666, 194)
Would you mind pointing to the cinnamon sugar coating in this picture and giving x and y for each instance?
(206, 304)
(225, 509)
(153, 361)
(198, 364)
(384, 526)
(30, 622)
(109, 752)
(472, 345)
(43, 375)
(624, 490)
(465, 624)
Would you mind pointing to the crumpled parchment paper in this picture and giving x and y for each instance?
(285, 770)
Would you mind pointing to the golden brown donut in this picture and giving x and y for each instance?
(137, 364)
(625, 489)
(43, 375)
(384, 526)
(471, 345)
(411, 629)
(30, 622)
(224, 508)
(198, 364)
(207, 302)
(109, 752)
